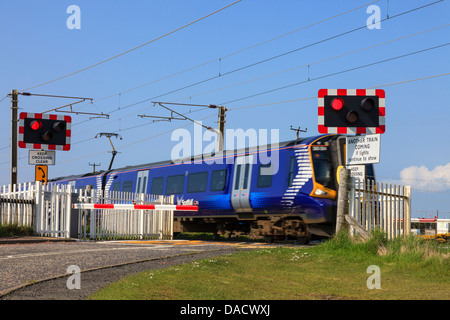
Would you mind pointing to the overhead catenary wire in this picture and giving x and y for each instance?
(262, 61)
(308, 64)
(264, 105)
(315, 97)
(314, 63)
(335, 73)
(237, 108)
(321, 21)
(347, 70)
(140, 141)
(270, 58)
(393, 16)
(415, 179)
(133, 49)
(238, 51)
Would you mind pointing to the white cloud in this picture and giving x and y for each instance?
(422, 177)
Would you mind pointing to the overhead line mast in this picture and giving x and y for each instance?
(220, 129)
(14, 121)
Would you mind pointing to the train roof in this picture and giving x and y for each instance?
(283, 144)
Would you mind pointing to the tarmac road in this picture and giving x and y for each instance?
(39, 271)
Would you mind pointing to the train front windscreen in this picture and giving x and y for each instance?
(322, 166)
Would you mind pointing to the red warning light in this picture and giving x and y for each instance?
(337, 104)
(35, 125)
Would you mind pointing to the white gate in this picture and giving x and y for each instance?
(122, 215)
(45, 207)
(53, 210)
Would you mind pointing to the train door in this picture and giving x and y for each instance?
(240, 193)
(142, 181)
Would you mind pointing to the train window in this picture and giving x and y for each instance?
(238, 176)
(157, 185)
(116, 186)
(127, 186)
(247, 168)
(141, 188)
(218, 180)
(138, 185)
(264, 179)
(197, 182)
(322, 170)
(291, 171)
(175, 184)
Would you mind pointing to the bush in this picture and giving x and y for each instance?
(439, 238)
(11, 230)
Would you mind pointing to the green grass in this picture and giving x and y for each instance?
(11, 230)
(337, 269)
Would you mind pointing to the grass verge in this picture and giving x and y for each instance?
(337, 269)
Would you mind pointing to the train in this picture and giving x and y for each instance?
(292, 196)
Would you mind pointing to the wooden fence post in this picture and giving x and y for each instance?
(342, 201)
(407, 215)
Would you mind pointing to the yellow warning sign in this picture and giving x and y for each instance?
(41, 173)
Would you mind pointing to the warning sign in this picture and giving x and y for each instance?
(41, 157)
(358, 172)
(41, 174)
(363, 149)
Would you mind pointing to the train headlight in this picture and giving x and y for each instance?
(320, 192)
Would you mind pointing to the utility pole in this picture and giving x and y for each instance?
(94, 165)
(297, 131)
(14, 108)
(221, 129)
(14, 121)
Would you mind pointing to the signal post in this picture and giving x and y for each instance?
(14, 108)
(352, 112)
(40, 130)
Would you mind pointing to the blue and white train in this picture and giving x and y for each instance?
(296, 199)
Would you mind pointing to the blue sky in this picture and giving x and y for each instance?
(37, 46)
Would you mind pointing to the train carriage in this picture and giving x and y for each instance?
(293, 195)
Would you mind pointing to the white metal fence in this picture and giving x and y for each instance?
(124, 224)
(17, 204)
(48, 208)
(382, 206)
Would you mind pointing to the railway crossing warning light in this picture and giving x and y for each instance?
(351, 111)
(44, 131)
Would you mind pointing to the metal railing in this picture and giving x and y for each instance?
(383, 206)
(47, 208)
